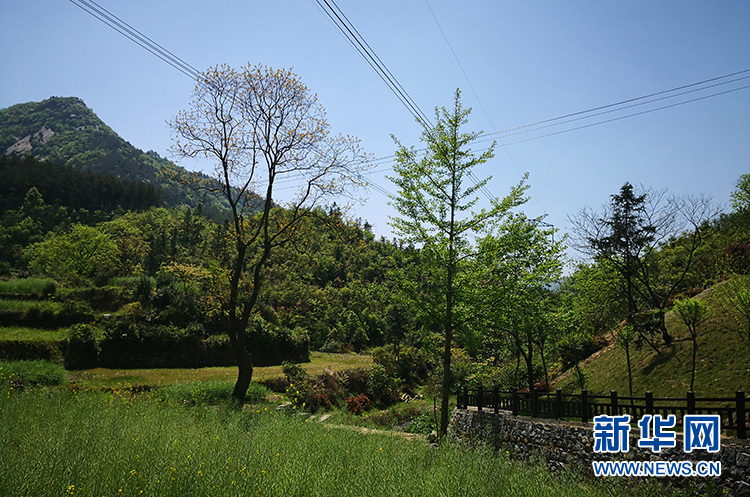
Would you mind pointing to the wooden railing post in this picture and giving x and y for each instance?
(514, 402)
(740, 410)
(480, 399)
(534, 403)
(613, 403)
(496, 399)
(691, 402)
(584, 406)
(649, 402)
(558, 404)
(466, 397)
(458, 397)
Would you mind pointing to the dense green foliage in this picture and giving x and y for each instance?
(64, 131)
(118, 286)
(75, 189)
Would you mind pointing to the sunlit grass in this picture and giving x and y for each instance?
(22, 334)
(25, 305)
(721, 365)
(56, 443)
(320, 361)
(28, 286)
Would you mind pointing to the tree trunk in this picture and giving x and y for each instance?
(695, 348)
(244, 377)
(630, 371)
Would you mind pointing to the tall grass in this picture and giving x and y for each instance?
(108, 445)
(207, 392)
(25, 305)
(28, 286)
(30, 373)
(24, 334)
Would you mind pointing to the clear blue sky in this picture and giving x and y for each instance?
(527, 61)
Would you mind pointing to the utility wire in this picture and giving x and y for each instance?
(125, 29)
(342, 23)
(111, 20)
(347, 28)
(623, 102)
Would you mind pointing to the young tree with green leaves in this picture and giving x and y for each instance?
(693, 312)
(741, 195)
(624, 337)
(437, 211)
(517, 263)
(735, 299)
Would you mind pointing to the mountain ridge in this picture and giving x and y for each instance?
(65, 131)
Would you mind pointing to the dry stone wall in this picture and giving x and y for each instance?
(562, 443)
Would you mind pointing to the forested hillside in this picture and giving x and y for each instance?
(122, 276)
(64, 131)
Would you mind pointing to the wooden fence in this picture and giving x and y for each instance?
(735, 418)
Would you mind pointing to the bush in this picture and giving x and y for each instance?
(410, 364)
(21, 374)
(359, 404)
(381, 387)
(353, 381)
(82, 350)
(423, 424)
(293, 372)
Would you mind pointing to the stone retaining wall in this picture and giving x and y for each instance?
(566, 442)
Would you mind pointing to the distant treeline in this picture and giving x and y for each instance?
(69, 187)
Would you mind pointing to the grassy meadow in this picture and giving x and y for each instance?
(62, 441)
(120, 378)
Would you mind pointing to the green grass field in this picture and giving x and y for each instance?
(25, 305)
(28, 286)
(21, 334)
(100, 377)
(58, 442)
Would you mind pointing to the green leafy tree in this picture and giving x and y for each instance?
(741, 195)
(735, 299)
(84, 252)
(624, 337)
(628, 235)
(260, 125)
(437, 211)
(518, 262)
(692, 312)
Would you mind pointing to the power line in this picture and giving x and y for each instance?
(125, 29)
(347, 28)
(483, 188)
(643, 97)
(342, 23)
(122, 27)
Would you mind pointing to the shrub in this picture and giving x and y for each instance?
(381, 387)
(353, 381)
(75, 311)
(333, 347)
(359, 404)
(293, 372)
(82, 348)
(423, 423)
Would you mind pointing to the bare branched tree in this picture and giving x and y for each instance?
(260, 125)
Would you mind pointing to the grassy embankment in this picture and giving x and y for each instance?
(722, 364)
(61, 442)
